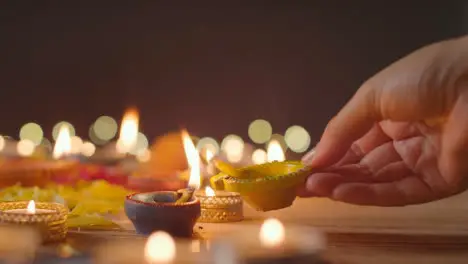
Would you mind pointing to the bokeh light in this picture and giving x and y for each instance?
(233, 147)
(208, 143)
(46, 144)
(76, 143)
(88, 149)
(144, 156)
(56, 129)
(259, 156)
(2, 143)
(105, 128)
(260, 131)
(95, 139)
(140, 145)
(25, 147)
(297, 139)
(32, 132)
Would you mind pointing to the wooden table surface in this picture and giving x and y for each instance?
(430, 233)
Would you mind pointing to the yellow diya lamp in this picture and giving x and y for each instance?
(39, 172)
(48, 219)
(219, 206)
(265, 187)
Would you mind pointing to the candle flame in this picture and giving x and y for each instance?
(209, 192)
(275, 152)
(193, 160)
(209, 155)
(272, 233)
(160, 248)
(31, 209)
(128, 131)
(63, 145)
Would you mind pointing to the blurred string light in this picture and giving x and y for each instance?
(233, 147)
(76, 143)
(105, 128)
(56, 129)
(280, 139)
(87, 149)
(144, 156)
(140, 145)
(297, 139)
(260, 131)
(259, 156)
(32, 132)
(208, 143)
(95, 139)
(25, 147)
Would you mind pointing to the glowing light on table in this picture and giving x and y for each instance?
(63, 143)
(160, 248)
(260, 131)
(297, 139)
(193, 160)
(233, 147)
(272, 233)
(275, 152)
(76, 143)
(32, 132)
(259, 156)
(25, 147)
(128, 131)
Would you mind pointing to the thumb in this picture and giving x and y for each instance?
(354, 120)
(454, 156)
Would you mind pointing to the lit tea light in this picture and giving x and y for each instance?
(193, 160)
(276, 243)
(160, 248)
(219, 206)
(272, 233)
(49, 219)
(275, 152)
(30, 209)
(128, 132)
(63, 145)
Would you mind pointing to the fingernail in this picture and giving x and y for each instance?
(307, 159)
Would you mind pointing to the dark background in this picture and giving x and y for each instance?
(210, 68)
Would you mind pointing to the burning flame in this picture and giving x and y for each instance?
(31, 209)
(193, 159)
(275, 152)
(128, 131)
(272, 233)
(63, 145)
(160, 248)
(209, 155)
(209, 191)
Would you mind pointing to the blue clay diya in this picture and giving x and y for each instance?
(163, 211)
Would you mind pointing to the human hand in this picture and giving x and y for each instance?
(403, 137)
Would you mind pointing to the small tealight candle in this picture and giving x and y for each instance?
(160, 248)
(30, 209)
(276, 243)
(219, 206)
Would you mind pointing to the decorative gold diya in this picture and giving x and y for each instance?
(265, 187)
(49, 220)
(30, 172)
(220, 206)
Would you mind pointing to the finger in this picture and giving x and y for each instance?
(374, 138)
(400, 130)
(380, 157)
(453, 162)
(409, 190)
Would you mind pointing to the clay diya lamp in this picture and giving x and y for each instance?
(265, 187)
(32, 172)
(173, 212)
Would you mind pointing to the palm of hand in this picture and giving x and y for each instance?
(395, 163)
